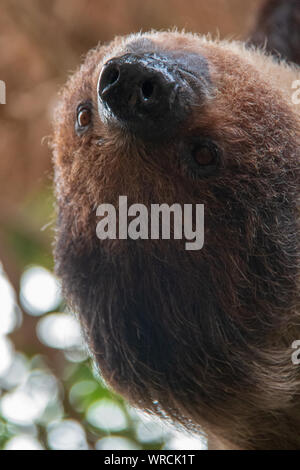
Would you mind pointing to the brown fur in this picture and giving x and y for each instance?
(202, 337)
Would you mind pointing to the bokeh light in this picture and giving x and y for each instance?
(6, 354)
(116, 443)
(67, 435)
(60, 330)
(40, 291)
(106, 415)
(79, 391)
(181, 441)
(23, 442)
(10, 314)
(26, 404)
(16, 372)
(149, 431)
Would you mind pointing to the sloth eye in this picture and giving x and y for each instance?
(202, 158)
(84, 118)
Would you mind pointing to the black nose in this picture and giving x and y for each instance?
(141, 92)
(137, 86)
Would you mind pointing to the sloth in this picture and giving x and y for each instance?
(200, 337)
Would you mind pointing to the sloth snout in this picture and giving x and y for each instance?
(132, 86)
(141, 92)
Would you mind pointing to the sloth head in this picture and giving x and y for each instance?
(203, 337)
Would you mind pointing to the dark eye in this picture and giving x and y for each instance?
(202, 157)
(84, 118)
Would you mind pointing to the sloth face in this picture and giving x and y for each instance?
(166, 116)
(175, 118)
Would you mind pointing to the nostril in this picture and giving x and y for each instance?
(148, 88)
(109, 77)
(113, 75)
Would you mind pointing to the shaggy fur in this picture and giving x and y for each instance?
(203, 337)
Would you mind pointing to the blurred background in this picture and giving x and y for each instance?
(50, 395)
